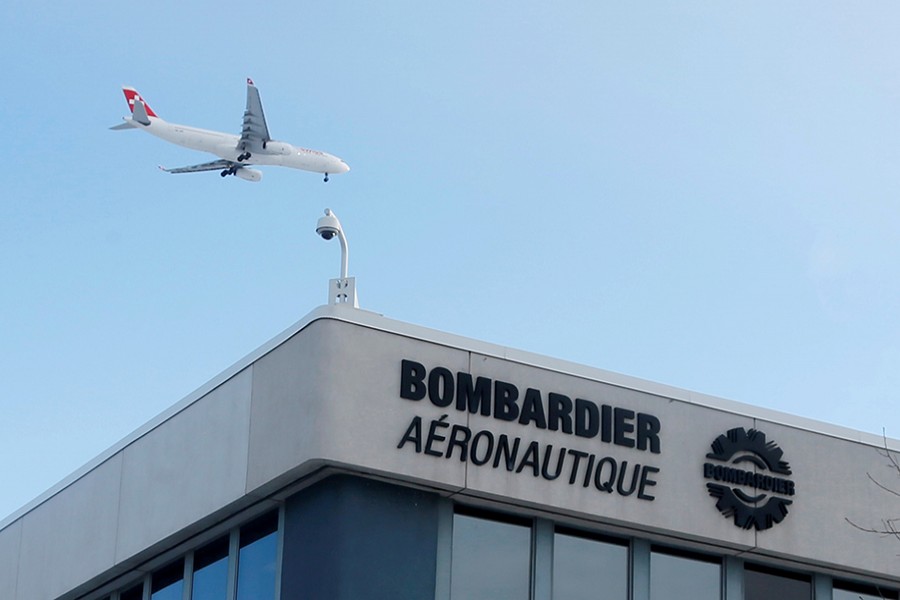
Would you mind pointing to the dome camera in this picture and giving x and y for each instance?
(328, 226)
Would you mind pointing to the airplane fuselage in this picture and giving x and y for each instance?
(227, 147)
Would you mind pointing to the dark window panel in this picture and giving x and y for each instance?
(491, 559)
(764, 583)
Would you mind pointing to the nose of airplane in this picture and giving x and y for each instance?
(344, 166)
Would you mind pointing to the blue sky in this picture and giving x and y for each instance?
(697, 193)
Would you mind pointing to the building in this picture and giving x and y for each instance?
(359, 457)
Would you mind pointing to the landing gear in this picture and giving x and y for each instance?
(229, 171)
(326, 177)
(243, 157)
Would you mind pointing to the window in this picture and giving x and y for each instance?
(685, 576)
(134, 593)
(852, 591)
(490, 558)
(588, 568)
(761, 583)
(211, 571)
(257, 558)
(168, 582)
(252, 570)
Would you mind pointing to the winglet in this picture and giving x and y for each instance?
(133, 97)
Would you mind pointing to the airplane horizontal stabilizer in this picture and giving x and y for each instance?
(123, 126)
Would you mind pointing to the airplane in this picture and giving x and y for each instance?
(236, 152)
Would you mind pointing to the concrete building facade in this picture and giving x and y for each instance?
(359, 457)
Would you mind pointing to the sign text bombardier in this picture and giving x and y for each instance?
(252, 147)
(568, 458)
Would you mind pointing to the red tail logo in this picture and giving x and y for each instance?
(131, 95)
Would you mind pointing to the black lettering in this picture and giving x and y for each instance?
(605, 484)
(505, 396)
(588, 470)
(545, 464)
(533, 409)
(707, 471)
(606, 423)
(634, 479)
(473, 448)
(648, 432)
(440, 387)
(576, 455)
(413, 434)
(587, 418)
(434, 436)
(622, 418)
(412, 380)
(530, 459)
(473, 397)
(503, 450)
(647, 482)
(560, 409)
(462, 444)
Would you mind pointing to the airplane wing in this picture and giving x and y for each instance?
(255, 132)
(210, 166)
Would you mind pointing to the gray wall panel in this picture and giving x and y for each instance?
(286, 413)
(10, 542)
(332, 393)
(189, 467)
(832, 486)
(71, 537)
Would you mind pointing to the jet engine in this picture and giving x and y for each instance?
(249, 174)
(280, 148)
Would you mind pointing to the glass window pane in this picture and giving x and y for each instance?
(761, 583)
(674, 577)
(256, 559)
(490, 559)
(850, 591)
(211, 571)
(135, 593)
(168, 582)
(589, 569)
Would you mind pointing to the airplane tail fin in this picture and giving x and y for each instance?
(137, 104)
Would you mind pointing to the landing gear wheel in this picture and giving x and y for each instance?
(326, 177)
(224, 173)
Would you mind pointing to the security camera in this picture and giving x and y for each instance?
(328, 226)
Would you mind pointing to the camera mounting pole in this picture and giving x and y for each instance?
(342, 290)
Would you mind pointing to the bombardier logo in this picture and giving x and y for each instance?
(749, 479)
